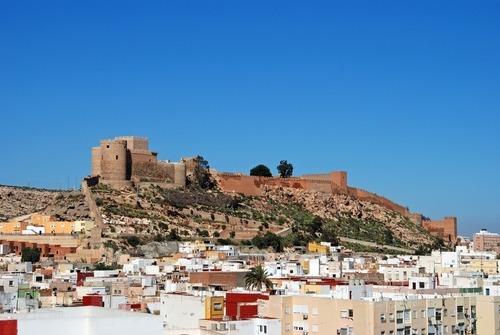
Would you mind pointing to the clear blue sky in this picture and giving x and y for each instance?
(404, 95)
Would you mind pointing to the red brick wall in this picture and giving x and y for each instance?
(230, 279)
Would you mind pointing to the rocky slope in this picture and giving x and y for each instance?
(150, 213)
(21, 201)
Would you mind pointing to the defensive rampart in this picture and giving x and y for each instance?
(95, 213)
(445, 229)
(252, 185)
(377, 199)
(334, 183)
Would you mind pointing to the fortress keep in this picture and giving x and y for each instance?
(123, 160)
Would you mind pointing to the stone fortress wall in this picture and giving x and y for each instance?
(122, 161)
(335, 183)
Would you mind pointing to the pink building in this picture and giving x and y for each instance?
(486, 241)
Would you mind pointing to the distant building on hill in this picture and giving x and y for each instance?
(486, 241)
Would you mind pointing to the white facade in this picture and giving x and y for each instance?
(314, 267)
(181, 311)
(253, 326)
(33, 230)
(87, 320)
(284, 268)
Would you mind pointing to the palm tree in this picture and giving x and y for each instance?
(257, 278)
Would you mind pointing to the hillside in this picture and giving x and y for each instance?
(281, 217)
(295, 216)
(20, 201)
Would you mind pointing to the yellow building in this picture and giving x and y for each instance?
(59, 227)
(487, 266)
(214, 307)
(12, 227)
(317, 248)
(51, 225)
(83, 226)
(39, 219)
(204, 246)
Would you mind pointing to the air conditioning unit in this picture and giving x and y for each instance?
(305, 316)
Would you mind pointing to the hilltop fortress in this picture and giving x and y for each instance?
(127, 161)
(122, 161)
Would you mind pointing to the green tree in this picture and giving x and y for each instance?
(201, 174)
(257, 278)
(30, 255)
(261, 171)
(134, 241)
(204, 233)
(316, 227)
(268, 240)
(285, 169)
(173, 235)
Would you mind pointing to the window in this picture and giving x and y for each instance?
(382, 318)
(351, 313)
(414, 314)
(422, 313)
(315, 311)
(421, 284)
(300, 309)
(391, 317)
(315, 328)
(299, 325)
(399, 317)
(287, 310)
(438, 314)
(287, 327)
(407, 316)
(217, 306)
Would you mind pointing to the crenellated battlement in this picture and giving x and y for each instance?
(124, 159)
